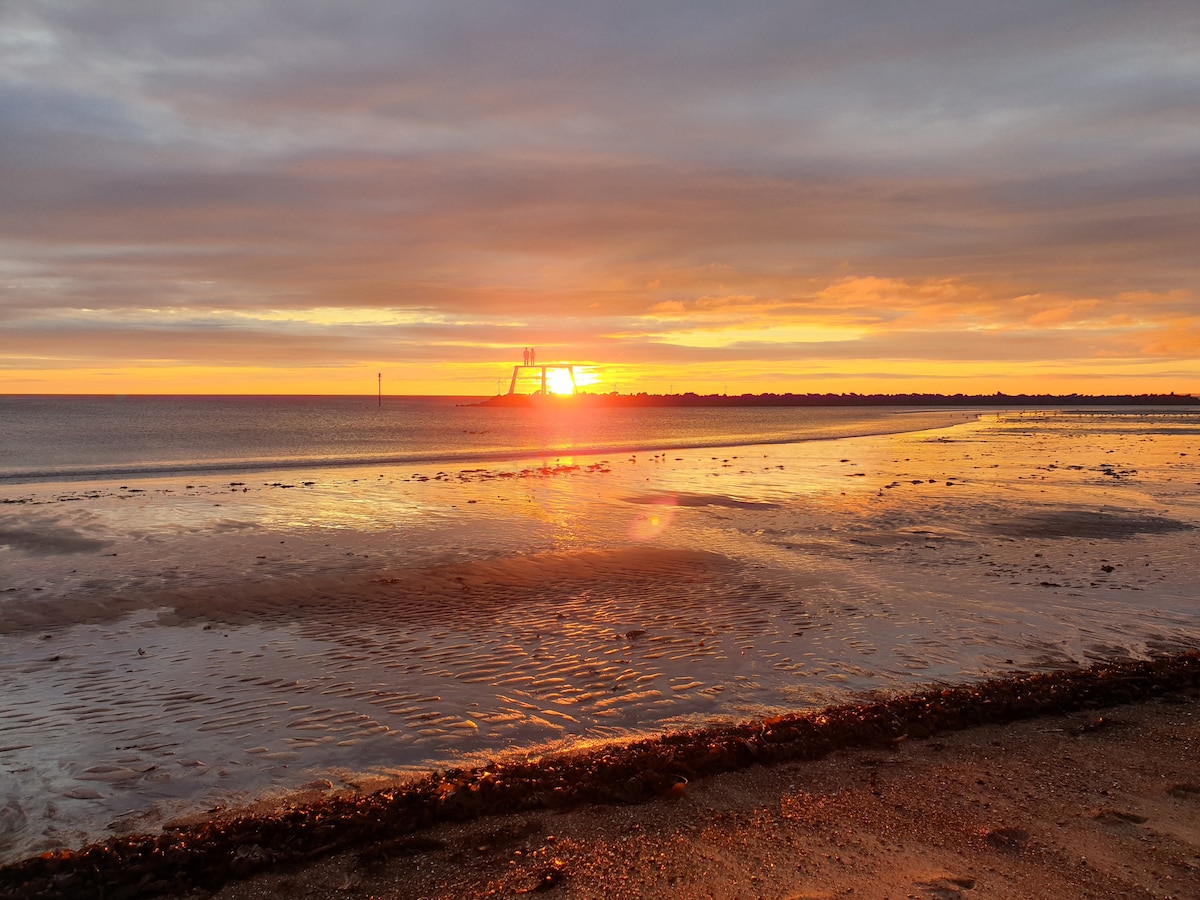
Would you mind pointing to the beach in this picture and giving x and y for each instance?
(1072, 783)
(183, 644)
(1092, 804)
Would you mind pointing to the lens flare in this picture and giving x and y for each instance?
(654, 520)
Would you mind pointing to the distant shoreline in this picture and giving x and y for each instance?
(686, 399)
(758, 400)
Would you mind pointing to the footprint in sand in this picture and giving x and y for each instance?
(1185, 791)
(946, 887)
(1007, 838)
(1118, 817)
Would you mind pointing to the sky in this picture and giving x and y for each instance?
(280, 196)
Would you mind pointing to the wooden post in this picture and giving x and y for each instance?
(379, 378)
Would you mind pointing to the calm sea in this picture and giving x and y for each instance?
(92, 437)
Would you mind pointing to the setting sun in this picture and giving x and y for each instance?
(560, 381)
(866, 240)
(488, 403)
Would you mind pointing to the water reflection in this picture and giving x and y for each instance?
(378, 619)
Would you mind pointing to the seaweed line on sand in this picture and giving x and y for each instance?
(211, 854)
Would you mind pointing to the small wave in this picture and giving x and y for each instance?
(913, 421)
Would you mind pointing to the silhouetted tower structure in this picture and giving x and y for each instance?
(530, 363)
(542, 370)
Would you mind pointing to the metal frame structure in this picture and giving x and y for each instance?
(570, 369)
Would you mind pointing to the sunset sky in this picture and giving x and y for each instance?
(291, 197)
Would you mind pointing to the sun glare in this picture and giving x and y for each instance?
(559, 381)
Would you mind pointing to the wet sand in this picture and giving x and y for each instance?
(1058, 788)
(1088, 805)
(174, 648)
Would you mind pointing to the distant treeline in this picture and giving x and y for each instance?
(997, 399)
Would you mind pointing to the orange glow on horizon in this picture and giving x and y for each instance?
(1119, 375)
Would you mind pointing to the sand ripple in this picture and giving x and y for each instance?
(880, 564)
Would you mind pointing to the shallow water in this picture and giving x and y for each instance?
(91, 437)
(175, 643)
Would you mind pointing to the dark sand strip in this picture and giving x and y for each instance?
(1079, 806)
(211, 854)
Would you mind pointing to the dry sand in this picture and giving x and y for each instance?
(1085, 805)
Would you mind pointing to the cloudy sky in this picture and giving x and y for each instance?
(279, 196)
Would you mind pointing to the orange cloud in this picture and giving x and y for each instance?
(429, 191)
(1176, 339)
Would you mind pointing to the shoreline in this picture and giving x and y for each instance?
(210, 854)
(210, 645)
(895, 419)
(690, 400)
(1071, 807)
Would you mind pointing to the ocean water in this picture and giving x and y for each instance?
(45, 438)
(204, 602)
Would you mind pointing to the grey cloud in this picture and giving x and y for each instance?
(447, 155)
